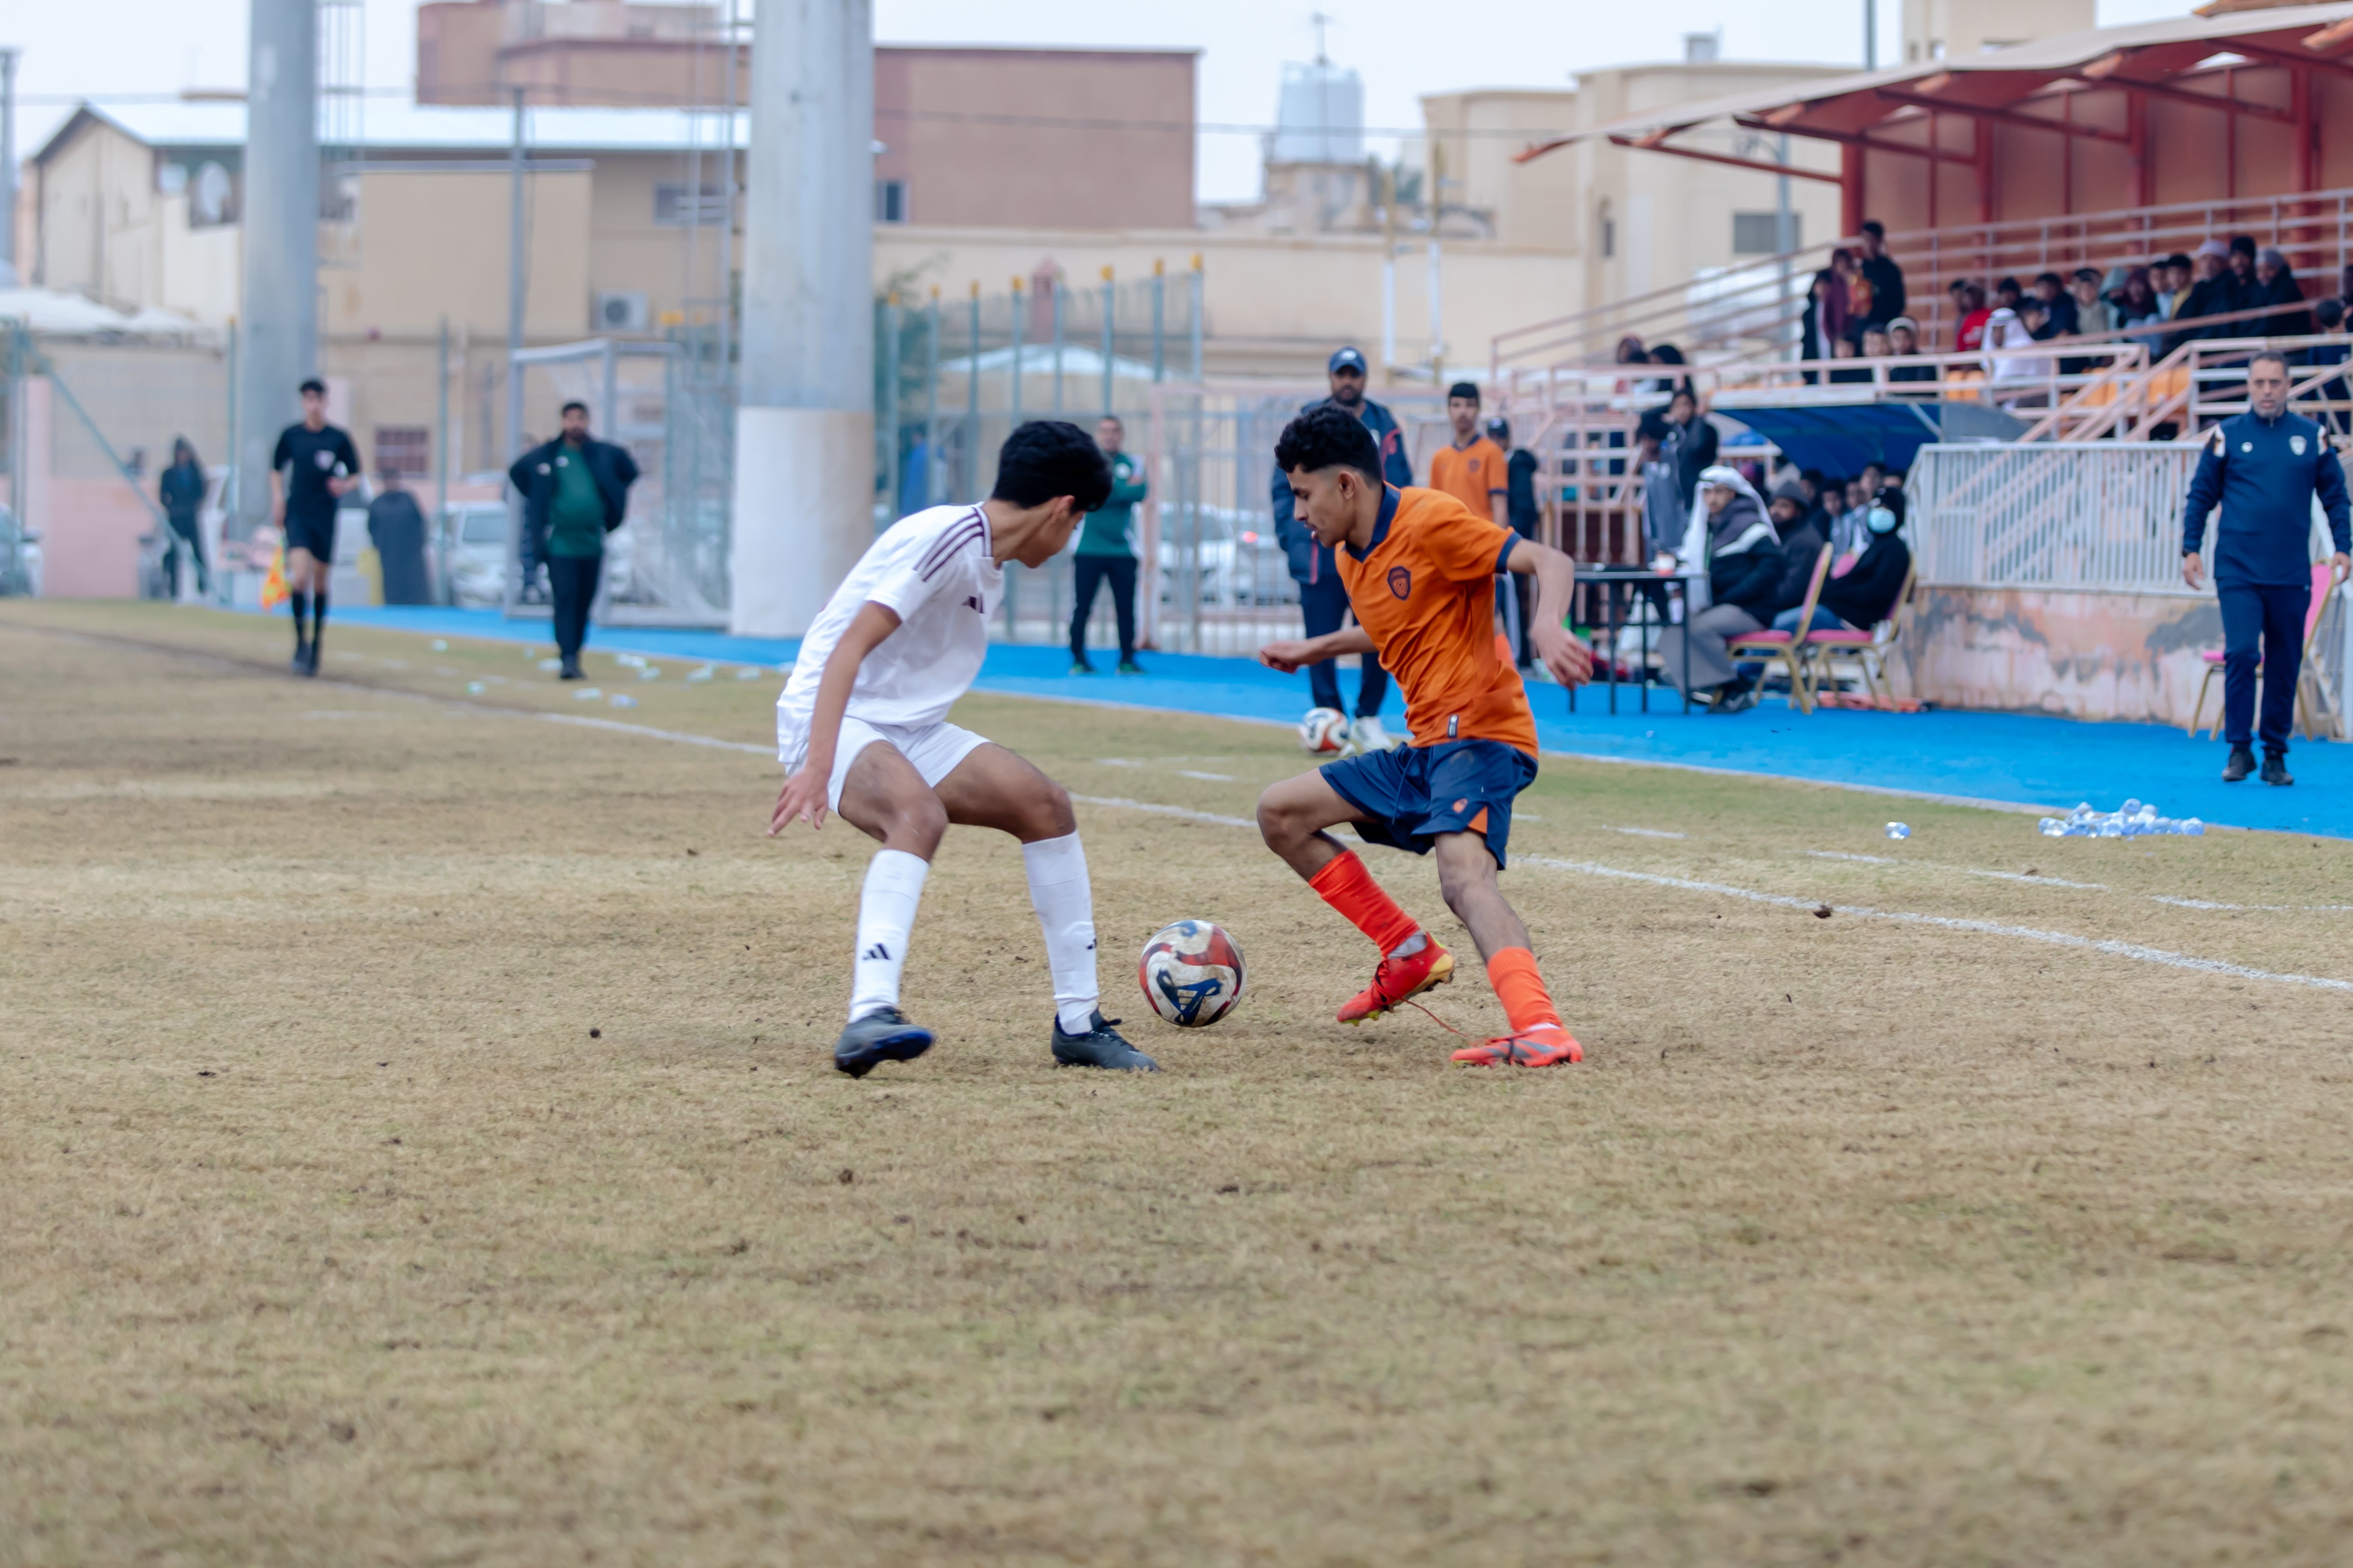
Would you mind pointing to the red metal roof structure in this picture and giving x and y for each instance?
(2189, 109)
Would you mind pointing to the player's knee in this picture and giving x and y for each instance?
(1278, 819)
(1465, 873)
(1052, 818)
(917, 825)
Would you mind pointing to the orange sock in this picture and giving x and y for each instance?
(1521, 989)
(1347, 887)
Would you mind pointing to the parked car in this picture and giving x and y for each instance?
(476, 563)
(20, 558)
(1237, 561)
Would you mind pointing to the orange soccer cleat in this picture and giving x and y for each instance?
(1543, 1046)
(1396, 979)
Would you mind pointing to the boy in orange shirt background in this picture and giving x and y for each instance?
(1420, 570)
(1473, 470)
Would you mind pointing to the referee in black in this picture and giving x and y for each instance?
(2265, 466)
(314, 465)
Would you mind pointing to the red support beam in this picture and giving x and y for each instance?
(2092, 75)
(1856, 139)
(1852, 205)
(2001, 116)
(1762, 167)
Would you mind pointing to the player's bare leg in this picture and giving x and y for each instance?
(994, 788)
(1466, 878)
(1294, 818)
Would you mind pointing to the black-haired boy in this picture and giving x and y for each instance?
(313, 465)
(861, 728)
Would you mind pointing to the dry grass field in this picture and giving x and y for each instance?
(421, 1147)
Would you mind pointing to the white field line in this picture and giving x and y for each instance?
(1634, 832)
(1866, 859)
(1989, 927)
(2040, 881)
(1118, 803)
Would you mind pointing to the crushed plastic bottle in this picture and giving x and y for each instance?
(1897, 830)
(702, 672)
(748, 672)
(2191, 827)
(551, 665)
(629, 660)
(623, 699)
(440, 644)
(649, 672)
(2052, 826)
(590, 694)
(2134, 819)
(475, 687)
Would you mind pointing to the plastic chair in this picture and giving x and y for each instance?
(1788, 648)
(1869, 650)
(2307, 680)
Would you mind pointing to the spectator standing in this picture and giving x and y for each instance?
(396, 526)
(1470, 467)
(1825, 305)
(1665, 494)
(2211, 294)
(1741, 557)
(1520, 507)
(1690, 442)
(576, 491)
(2008, 294)
(1106, 552)
(1323, 598)
(182, 490)
(2274, 283)
(1904, 343)
(1879, 271)
(313, 464)
(2243, 282)
(2137, 305)
(2264, 466)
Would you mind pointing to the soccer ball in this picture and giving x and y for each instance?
(1324, 732)
(1191, 972)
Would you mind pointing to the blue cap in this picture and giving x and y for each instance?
(1346, 359)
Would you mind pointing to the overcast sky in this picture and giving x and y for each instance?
(1402, 48)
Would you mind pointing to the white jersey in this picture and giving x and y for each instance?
(934, 570)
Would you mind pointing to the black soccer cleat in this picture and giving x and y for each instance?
(1099, 1046)
(2241, 763)
(300, 664)
(2275, 769)
(882, 1035)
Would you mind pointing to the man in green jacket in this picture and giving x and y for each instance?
(1106, 551)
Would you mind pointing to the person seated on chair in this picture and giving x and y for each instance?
(1863, 594)
(1734, 540)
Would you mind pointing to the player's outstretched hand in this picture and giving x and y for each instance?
(802, 799)
(1287, 656)
(1564, 653)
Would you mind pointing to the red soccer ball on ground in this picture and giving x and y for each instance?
(1191, 972)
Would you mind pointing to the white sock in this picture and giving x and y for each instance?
(1065, 903)
(886, 914)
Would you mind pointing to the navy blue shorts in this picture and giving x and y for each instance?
(1413, 793)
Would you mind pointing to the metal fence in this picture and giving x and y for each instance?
(2093, 517)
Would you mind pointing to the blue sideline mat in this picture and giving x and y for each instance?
(2015, 758)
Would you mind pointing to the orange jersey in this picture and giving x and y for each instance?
(1425, 593)
(1473, 475)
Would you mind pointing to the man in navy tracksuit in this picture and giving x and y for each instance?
(2265, 466)
(1323, 601)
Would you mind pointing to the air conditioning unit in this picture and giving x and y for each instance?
(622, 311)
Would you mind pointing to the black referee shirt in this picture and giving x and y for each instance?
(314, 457)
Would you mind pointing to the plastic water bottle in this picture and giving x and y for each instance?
(590, 694)
(651, 673)
(2192, 828)
(2129, 808)
(2052, 828)
(2111, 828)
(749, 673)
(702, 672)
(623, 699)
(551, 665)
(440, 644)
(1897, 830)
(475, 687)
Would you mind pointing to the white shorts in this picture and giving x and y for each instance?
(934, 749)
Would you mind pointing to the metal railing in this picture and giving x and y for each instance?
(2091, 515)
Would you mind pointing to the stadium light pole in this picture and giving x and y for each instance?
(8, 163)
(279, 314)
(804, 501)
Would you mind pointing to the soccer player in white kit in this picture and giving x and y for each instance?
(861, 728)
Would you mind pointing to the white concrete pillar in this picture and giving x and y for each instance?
(278, 337)
(804, 501)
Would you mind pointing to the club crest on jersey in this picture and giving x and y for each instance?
(1400, 581)
(2295, 445)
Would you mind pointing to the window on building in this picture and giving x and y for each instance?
(674, 208)
(1758, 233)
(890, 200)
(404, 449)
(1608, 234)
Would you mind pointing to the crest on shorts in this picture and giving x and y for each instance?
(2295, 445)
(1400, 581)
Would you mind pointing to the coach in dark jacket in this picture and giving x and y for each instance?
(2263, 466)
(1322, 600)
(576, 491)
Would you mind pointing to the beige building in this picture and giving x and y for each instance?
(1945, 29)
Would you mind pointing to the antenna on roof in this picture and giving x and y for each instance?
(1319, 21)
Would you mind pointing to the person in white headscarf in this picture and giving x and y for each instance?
(2005, 331)
(1733, 539)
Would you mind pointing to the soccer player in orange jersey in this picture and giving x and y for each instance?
(1472, 470)
(1420, 569)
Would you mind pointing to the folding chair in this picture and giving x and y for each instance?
(2307, 680)
(1869, 650)
(1788, 648)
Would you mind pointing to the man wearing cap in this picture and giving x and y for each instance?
(1323, 598)
(2265, 466)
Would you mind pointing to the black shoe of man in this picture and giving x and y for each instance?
(882, 1035)
(2275, 769)
(1737, 697)
(570, 670)
(1099, 1046)
(2241, 763)
(302, 661)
